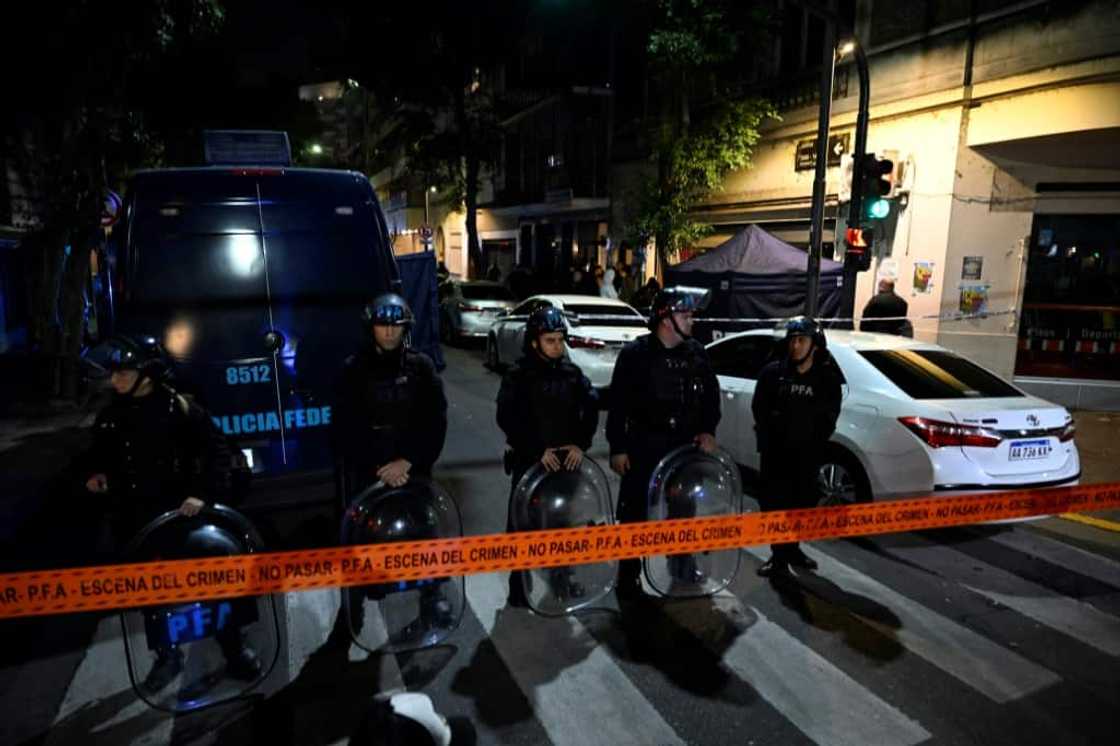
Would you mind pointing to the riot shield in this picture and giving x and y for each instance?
(689, 483)
(215, 650)
(544, 500)
(408, 614)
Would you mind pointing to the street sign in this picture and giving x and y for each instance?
(111, 209)
(805, 158)
(425, 232)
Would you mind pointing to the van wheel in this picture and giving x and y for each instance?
(841, 479)
(492, 353)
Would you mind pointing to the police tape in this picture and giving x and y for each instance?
(173, 582)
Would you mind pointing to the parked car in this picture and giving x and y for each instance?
(467, 309)
(916, 419)
(597, 329)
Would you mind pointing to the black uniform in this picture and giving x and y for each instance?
(543, 404)
(156, 451)
(389, 405)
(885, 305)
(795, 414)
(660, 399)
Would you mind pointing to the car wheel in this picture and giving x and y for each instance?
(841, 479)
(492, 353)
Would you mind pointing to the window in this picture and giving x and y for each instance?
(741, 357)
(584, 314)
(529, 306)
(935, 374)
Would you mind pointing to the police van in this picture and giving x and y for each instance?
(253, 275)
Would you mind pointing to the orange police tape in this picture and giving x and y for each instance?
(158, 583)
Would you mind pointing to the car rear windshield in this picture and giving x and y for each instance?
(486, 292)
(935, 374)
(602, 315)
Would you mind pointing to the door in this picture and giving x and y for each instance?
(737, 362)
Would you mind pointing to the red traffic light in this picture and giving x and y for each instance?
(856, 239)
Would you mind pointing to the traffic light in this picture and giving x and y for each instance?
(875, 185)
(857, 254)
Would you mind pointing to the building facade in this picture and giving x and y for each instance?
(1003, 119)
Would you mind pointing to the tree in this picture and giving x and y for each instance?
(80, 128)
(699, 52)
(432, 78)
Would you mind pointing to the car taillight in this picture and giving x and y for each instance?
(586, 343)
(1067, 432)
(937, 434)
(469, 308)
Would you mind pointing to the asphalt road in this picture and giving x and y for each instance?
(993, 635)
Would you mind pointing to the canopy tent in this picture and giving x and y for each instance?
(754, 275)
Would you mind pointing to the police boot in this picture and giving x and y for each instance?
(168, 665)
(683, 569)
(242, 662)
(563, 585)
(435, 609)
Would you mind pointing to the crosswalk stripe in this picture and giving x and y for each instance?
(824, 703)
(1060, 554)
(592, 701)
(102, 679)
(1069, 616)
(998, 673)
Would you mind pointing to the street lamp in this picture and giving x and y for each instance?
(847, 48)
(316, 149)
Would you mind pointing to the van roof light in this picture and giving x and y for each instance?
(246, 148)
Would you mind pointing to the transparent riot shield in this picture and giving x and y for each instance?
(187, 655)
(408, 614)
(689, 483)
(545, 500)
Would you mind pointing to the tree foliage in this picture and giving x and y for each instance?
(80, 126)
(699, 51)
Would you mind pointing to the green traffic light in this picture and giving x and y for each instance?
(878, 208)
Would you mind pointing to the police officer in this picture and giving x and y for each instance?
(549, 412)
(154, 450)
(390, 422)
(664, 394)
(795, 406)
(390, 412)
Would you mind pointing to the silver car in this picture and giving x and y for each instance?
(467, 309)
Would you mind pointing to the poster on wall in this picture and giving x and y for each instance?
(923, 277)
(972, 268)
(974, 297)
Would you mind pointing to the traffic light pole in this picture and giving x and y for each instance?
(816, 225)
(862, 120)
(855, 207)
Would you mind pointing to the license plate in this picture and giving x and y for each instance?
(1025, 450)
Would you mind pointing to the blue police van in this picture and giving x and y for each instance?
(253, 275)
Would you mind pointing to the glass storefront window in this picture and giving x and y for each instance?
(1070, 327)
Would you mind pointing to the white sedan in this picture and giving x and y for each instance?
(916, 419)
(597, 329)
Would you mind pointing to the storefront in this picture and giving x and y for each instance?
(1071, 306)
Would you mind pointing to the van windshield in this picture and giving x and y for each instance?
(195, 248)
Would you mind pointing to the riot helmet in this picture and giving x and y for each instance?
(140, 353)
(543, 321)
(803, 326)
(677, 299)
(388, 309)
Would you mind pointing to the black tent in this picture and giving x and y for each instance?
(754, 275)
